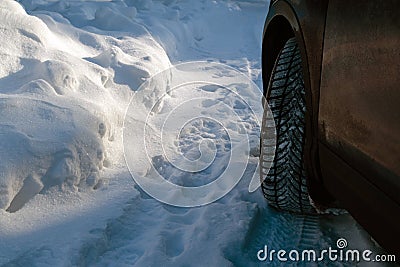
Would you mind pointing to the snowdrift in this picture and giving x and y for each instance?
(63, 94)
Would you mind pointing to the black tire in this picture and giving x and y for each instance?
(285, 185)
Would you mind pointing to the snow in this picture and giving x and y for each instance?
(69, 70)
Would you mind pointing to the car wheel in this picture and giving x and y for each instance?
(284, 185)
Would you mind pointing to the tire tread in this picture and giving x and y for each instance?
(285, 184)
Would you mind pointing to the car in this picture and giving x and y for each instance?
(331, 77)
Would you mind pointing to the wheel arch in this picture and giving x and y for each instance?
(281, 24)
(277, 32)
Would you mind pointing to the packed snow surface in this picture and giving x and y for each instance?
(68, 72)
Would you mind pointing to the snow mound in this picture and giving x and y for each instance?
(46, 145)
(63, 93)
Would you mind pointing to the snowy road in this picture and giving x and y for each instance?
(75, 200)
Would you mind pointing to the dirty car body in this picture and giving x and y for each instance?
(351, 65)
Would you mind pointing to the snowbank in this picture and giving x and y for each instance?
(63, 94)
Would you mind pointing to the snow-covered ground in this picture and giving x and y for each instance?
(68, 72)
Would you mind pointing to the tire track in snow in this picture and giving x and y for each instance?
(288, 231)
